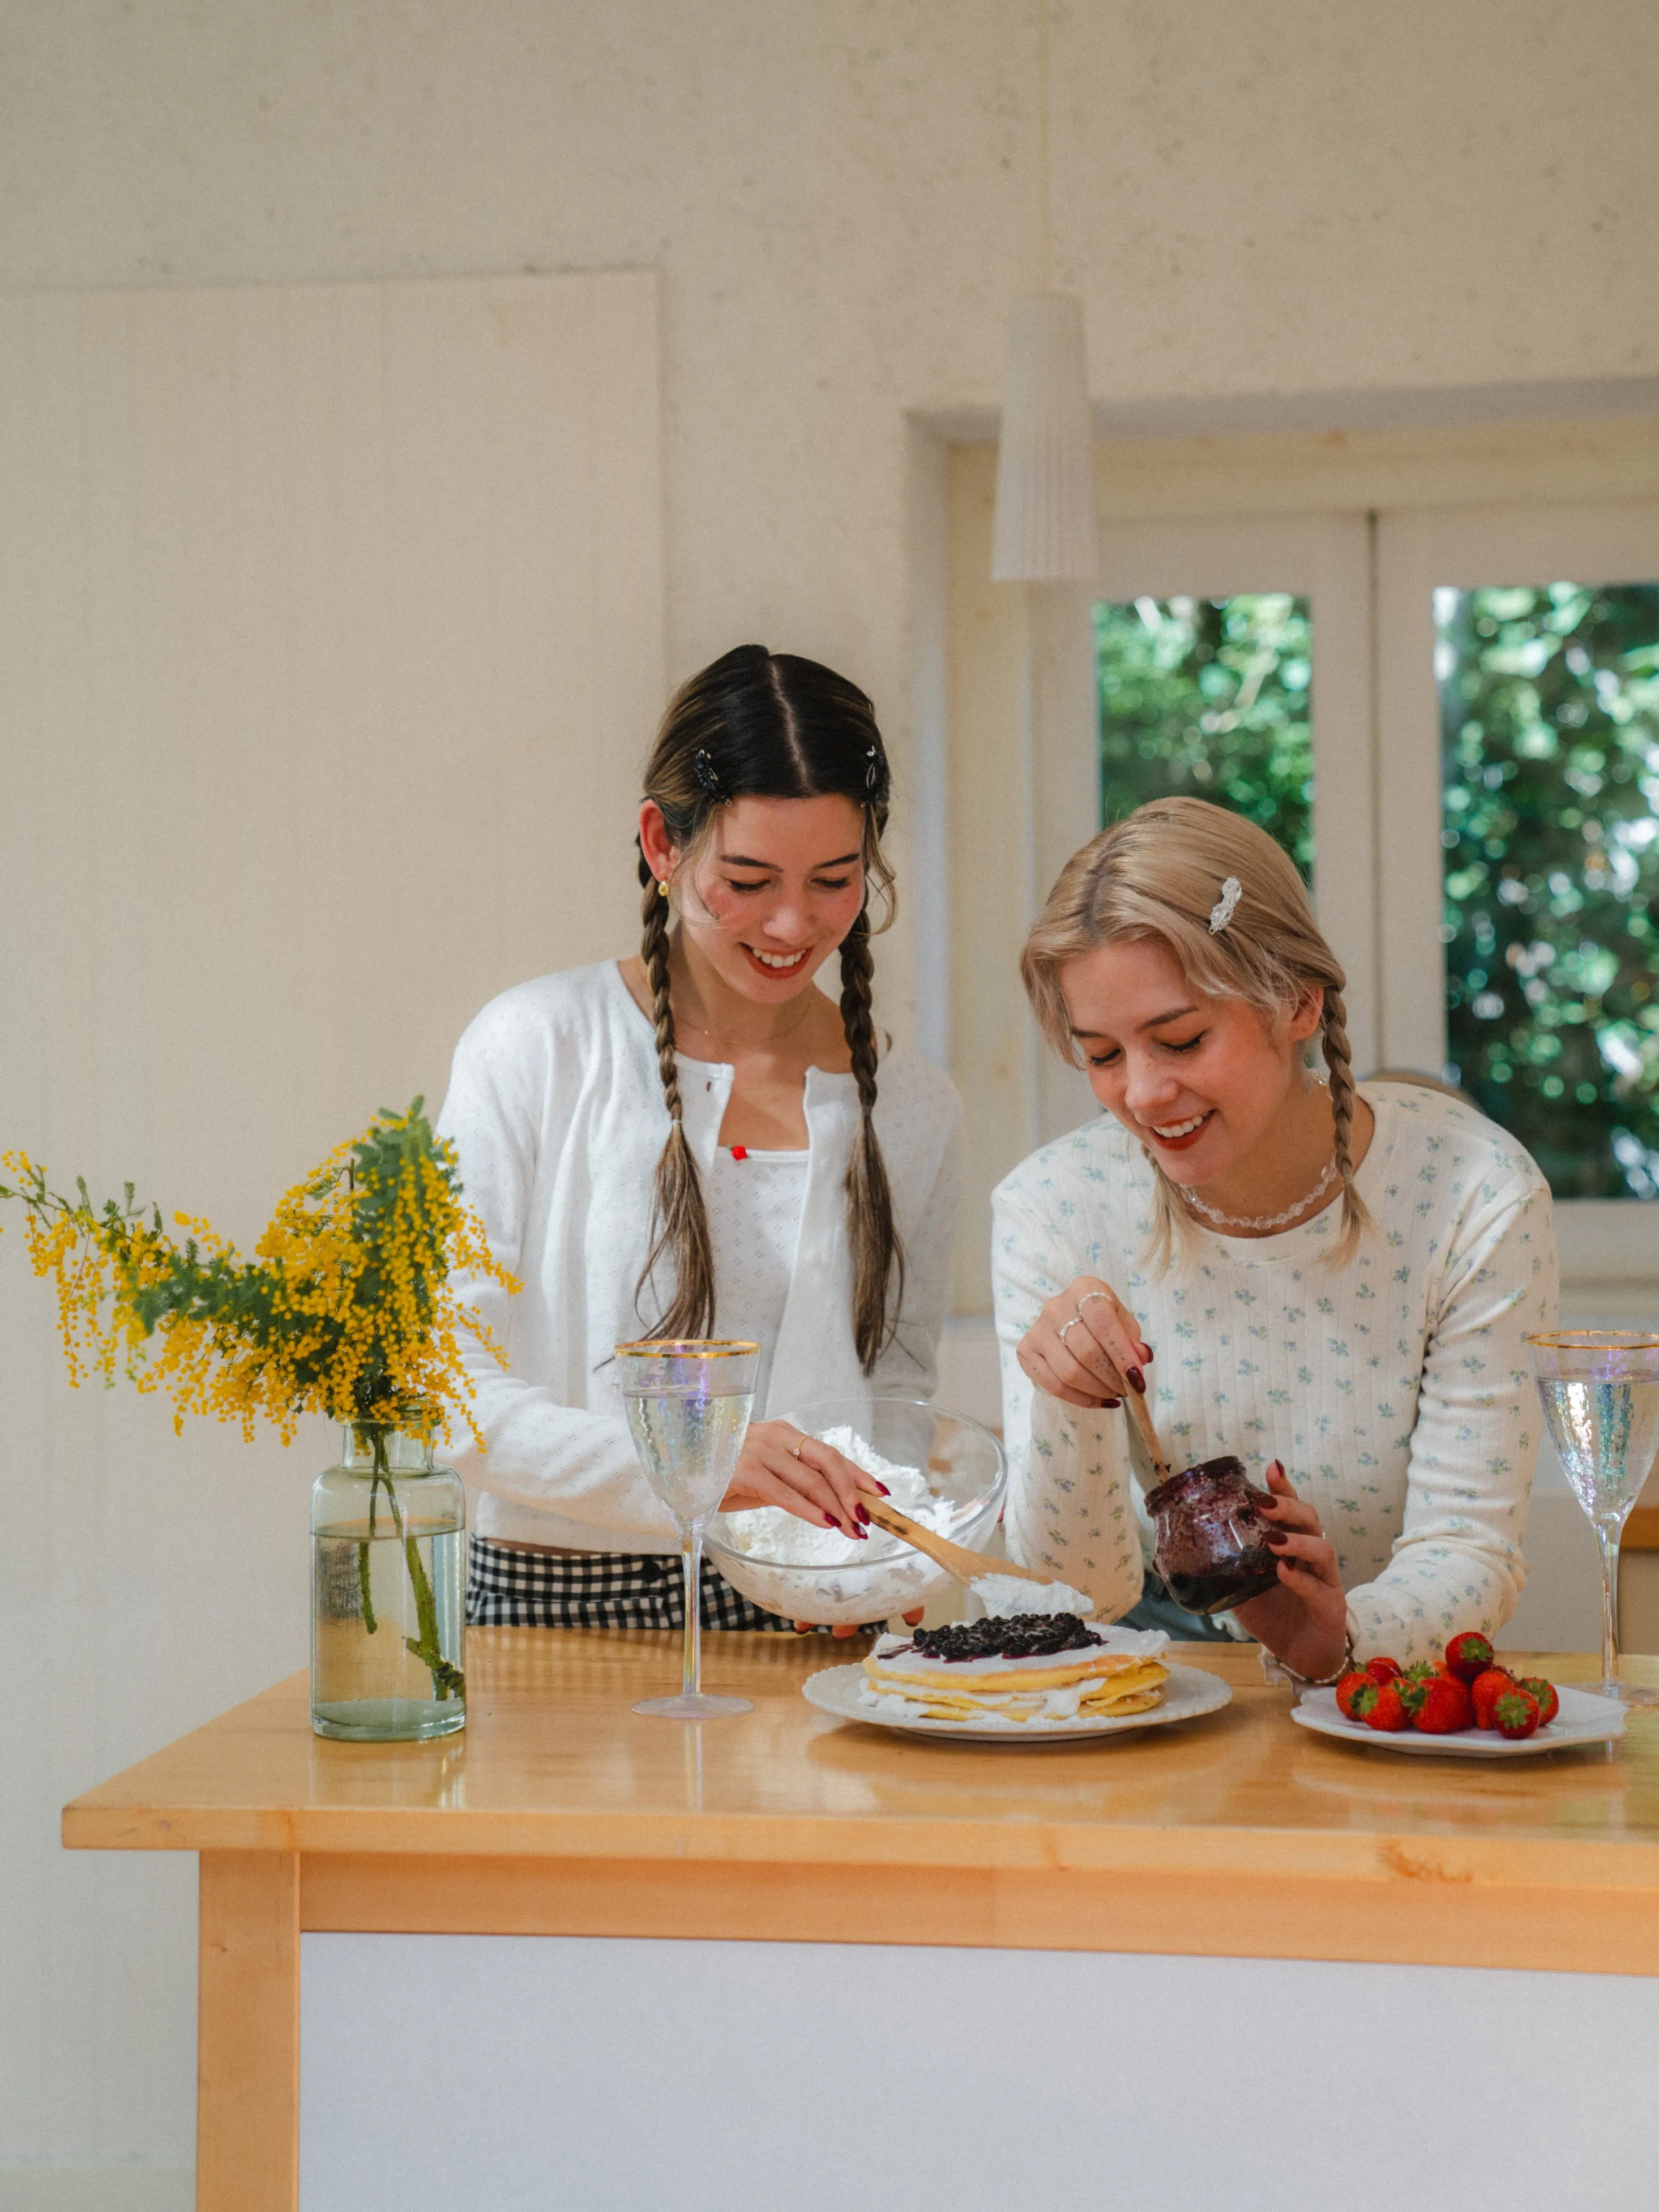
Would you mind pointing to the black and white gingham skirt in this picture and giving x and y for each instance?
(509, 1587)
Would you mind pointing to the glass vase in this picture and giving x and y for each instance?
(388, 1590)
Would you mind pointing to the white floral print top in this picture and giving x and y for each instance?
(1398, 1391)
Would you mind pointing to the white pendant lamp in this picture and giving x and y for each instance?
(1044, 530)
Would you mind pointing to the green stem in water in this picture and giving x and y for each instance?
(381, 1473)
(448, 1681)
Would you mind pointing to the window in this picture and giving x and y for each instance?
(1515, 715)
(1209, 699)
(1549, 716)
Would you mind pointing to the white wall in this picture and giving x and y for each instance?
(1257, 197)
(1254, 197)
(328, 617)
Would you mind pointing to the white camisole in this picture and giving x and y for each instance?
(755, 1201)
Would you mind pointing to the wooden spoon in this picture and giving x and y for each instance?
(1140, 1414)
(956, 1558)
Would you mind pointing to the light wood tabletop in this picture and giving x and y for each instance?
(559, 1811)
(554, 1766)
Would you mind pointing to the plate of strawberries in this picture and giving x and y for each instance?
(1462, 1706)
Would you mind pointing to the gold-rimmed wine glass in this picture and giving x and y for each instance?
(1599, 1389)
(688, 1402)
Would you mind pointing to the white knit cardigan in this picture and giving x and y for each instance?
(1397, 1391)
(556, 1110)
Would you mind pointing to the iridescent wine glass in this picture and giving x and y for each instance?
(688, 1405)
(1599, 1389)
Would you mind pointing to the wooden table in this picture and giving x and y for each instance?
(557, 1812)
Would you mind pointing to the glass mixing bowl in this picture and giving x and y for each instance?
(953, 1473)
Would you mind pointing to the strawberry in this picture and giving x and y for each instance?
(1468, 1656)
(1485, 1692)
(1380, 1705)
(1440, 1706)
(1384, 1670)
(1348, 1689)
(1516, 1714)
(1548, 1703)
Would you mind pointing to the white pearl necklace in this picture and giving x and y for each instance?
(1264, 1220)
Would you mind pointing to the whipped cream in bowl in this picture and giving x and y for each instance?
(945, 1470)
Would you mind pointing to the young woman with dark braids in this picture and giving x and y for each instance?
(1335, 1278)
(698, 1142)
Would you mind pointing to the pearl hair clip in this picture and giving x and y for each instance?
(1226, 906)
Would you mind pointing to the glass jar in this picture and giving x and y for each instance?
(1213, 1549)
(388, 1589)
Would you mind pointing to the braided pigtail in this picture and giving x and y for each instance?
(1334, 1037)
(877, 1253)
(679, 1216)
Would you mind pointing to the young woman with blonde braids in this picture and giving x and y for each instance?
(1309, 1274)
(697, 1141)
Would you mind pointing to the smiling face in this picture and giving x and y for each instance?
(776, 887)
(1202, 1082)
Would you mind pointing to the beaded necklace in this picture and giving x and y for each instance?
(1264, 1220)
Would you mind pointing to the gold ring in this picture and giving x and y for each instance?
(799, 1442)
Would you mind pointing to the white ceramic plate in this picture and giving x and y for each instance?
(1188, 1693)
(1583, 1718)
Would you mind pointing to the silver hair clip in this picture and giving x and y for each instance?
(707, 775)
(872, 771)
(1226, 906)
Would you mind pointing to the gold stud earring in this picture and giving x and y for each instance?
(662, 887)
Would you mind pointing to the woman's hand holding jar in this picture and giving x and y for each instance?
(1304, 1621)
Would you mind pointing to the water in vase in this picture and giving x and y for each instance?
(367, 1681)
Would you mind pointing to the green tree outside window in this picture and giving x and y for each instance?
(1549, 700)
(1209, 699)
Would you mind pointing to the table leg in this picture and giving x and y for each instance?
(247, 2037)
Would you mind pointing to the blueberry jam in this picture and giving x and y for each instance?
(1213, 1549)
(1026, 1636)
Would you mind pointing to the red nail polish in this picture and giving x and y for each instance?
(830, 1522)
(1111, 1405)
(1146, 1353)
(1135, 1379)
(862, 1516)
(1277, 1539)
(882, 1487)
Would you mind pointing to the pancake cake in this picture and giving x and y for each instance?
(1029, 1667)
